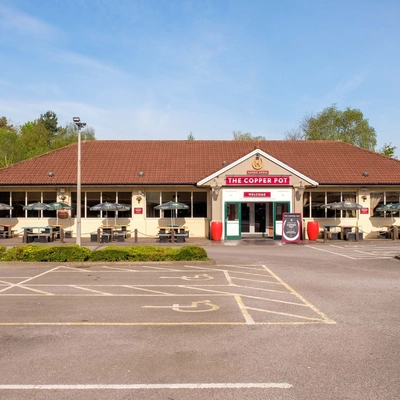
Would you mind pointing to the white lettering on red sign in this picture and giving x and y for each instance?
(257, 180)
(257, 194)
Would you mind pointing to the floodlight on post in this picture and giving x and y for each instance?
(79, 125)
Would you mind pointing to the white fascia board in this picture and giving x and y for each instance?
(261, 153)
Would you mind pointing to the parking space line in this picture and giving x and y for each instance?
(21, 284)
(283, 313)
(249, 385)
(331, 252)
(227, 279)
(299, 296)
(243, 309)
(91, 290)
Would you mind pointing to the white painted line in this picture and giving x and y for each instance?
(332, 252)
(249, 320)
(266, 385)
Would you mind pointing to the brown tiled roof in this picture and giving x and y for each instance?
(118, 162)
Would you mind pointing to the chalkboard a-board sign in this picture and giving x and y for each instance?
(291, 227)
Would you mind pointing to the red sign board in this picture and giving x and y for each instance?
(260, 180)
(257, 194)
(364, 210)
(138, 210)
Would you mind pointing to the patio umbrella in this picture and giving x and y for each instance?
(343, 206)
(172, 205)
(60, 206)
(38, 207)
(393, 208)
(110, 207)
(5, 206)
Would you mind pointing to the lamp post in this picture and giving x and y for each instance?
(80, 125)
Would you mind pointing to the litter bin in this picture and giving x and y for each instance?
(312, 230)
(216, 230)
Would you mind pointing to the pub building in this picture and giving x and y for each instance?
(233, 189)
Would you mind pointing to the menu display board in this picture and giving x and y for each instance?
(291, 227)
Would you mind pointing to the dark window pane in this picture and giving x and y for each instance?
(199, 204)
(152, 200)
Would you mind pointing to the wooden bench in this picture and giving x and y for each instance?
(38, 237)
(164, 237)
(383, 234)
(105, 238)
(180, 237)
(119, 236)
(93, 236)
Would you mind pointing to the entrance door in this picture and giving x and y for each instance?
(279, 209)
(254, 219)
(233, 217)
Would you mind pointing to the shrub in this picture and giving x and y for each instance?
(37, 253)
(3, 251)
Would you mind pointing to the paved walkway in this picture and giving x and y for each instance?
(153, 241)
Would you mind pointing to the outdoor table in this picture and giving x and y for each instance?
(42, 234)
(170, 233)
(348, 230)
(58, 232)
(5, 231)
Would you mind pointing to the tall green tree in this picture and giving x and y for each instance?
(239, 135)
(388, 150)
(9, 150)
(348, 126)
(190, 136)
(36, 137)
(50, 122)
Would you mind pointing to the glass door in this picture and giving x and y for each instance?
(279, 209)
(233, 216)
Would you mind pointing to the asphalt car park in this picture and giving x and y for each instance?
(278, 322)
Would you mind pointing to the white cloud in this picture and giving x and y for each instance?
(17, 21)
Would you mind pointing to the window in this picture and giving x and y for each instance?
(152, 199)
(18, 201)
(314, 200)
(90, 199)
(379, 199)
(5, 198)
(197, 202)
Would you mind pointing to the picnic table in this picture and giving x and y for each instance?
(172, 233)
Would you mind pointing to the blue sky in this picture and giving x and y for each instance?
(160, 69)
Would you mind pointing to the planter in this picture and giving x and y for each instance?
(312, 230)
(216, 230)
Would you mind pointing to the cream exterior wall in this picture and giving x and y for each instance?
(146, 227)
(366, 223)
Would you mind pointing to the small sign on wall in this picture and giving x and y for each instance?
(138, 210)
(364, 210)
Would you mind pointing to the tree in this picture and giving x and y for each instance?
(388, 150)
(190, 136)
(50, 122)
(239, 135)
(36, 137)
(332, 124)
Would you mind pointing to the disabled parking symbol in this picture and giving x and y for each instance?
(194, 307)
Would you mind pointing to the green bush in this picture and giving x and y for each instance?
(149, 253)
(3, 251)
(37, 253)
